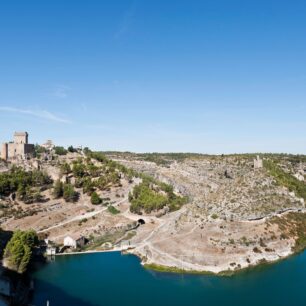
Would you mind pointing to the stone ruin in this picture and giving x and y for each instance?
(258, 163)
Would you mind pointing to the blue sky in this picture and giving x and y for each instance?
(211, 76)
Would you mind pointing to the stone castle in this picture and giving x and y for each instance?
(18, 149)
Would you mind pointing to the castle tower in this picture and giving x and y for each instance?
(21, 138)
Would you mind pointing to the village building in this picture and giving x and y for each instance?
(48, 145)
(258, 163)
(18, 149)
(74, 241)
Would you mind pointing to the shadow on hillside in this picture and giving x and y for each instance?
(5, 236)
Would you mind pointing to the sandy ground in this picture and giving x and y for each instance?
(57, 219)
(214, 246)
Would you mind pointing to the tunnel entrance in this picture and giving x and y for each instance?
(141, 222)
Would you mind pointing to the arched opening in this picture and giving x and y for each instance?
(141, 222)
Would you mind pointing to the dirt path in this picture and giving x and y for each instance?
(80, 217)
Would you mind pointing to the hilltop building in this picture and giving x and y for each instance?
(19, 148)
(48, 145)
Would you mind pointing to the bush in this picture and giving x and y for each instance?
(95, 199)
(151, 195)
(69, 194)
(71, 149)
(79, 170)
(65, 168)
(58, 189)
(113, 210)
(60, 150)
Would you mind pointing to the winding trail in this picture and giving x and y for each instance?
(80, 217)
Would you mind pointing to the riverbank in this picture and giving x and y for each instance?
(153, 248)
(112, 279)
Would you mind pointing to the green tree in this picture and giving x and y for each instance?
(18, 251)
(60, 150)
(71, 149)
(79, 170)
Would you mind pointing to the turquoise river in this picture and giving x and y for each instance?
(112, 279)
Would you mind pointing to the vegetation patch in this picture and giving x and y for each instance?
(285, 179)
(18, 251)
(293, 225)
(27, 184)
(151, 195)
(95, 199)
(113, 210)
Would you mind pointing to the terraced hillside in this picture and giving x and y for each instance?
(226, 225)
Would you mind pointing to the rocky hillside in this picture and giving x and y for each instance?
(238, 215)
(226, 187)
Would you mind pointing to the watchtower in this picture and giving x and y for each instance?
(21, 137)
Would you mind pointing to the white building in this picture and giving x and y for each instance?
(48, 145)
(74, 241)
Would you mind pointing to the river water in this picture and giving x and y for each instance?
(112, 279)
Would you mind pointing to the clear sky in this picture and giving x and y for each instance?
(211, 76)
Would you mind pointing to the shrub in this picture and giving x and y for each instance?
(65, 168)
(79, 170)
(113, 210)
(60, 150)
(95, 199)
(69, 194)
(256, 250)
(58, 189)
(71, 149)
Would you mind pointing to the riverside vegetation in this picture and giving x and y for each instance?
(151, 195)
(18, 251)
